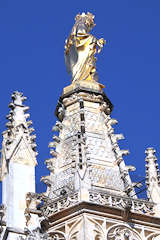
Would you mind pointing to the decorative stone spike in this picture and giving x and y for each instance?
(131, 168)
(27, 115)
(26, 108)
(50, 164)
(9, 125)
(55, 129)
(112, 121)
(118, 137)
(33, 137)
(59, 125)
(56, 139)
(31, 130)
(11, 105)
(53, 153)
(33, 145)
(137, 184)
(52, 145)
(123, 152)
(9, 117)
(46, 180)
(29, 123)
(115, 138)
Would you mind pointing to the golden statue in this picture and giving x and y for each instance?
(80, 49)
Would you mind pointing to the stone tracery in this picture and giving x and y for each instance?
(122, 233)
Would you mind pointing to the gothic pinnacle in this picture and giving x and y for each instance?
(17, 125)
(152, 169)
(152, 175)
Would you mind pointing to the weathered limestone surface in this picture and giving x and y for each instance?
(21, 179)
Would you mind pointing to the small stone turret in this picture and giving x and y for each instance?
(152, 177)
(18, 160)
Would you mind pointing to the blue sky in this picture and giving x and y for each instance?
(32, 36)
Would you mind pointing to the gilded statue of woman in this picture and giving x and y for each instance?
(80, 49)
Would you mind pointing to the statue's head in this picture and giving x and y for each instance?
(84, 23)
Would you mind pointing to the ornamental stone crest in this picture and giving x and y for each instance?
(122, 233)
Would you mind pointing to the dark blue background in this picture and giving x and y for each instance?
(32, 36)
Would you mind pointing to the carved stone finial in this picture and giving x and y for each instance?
(17, 114)
(18, 98)
(150, 153)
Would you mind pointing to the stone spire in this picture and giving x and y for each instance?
(87, 169)
(152, 176)
(86, 158)
(18, 160)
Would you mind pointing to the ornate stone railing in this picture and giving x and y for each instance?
(135, 205)
(61, 203)
(38, 234)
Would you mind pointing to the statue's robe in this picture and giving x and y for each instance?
(80, 59)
